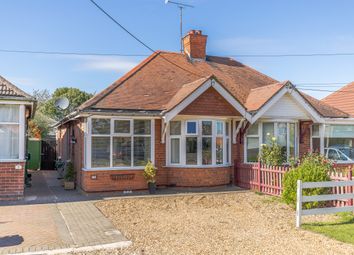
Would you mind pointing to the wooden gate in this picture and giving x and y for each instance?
(48, 155)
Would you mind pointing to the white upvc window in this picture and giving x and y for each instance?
(12, 132)
(119, 143)
(285, 133)
(202, 142)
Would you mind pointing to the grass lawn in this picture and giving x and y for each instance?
(341, 230)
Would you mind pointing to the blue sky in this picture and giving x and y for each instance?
(233, 27)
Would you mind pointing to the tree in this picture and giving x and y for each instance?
(76, 98)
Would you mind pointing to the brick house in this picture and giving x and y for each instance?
(193, 116)
(16, 107)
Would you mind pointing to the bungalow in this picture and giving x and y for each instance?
(16, 107)
(194, 116)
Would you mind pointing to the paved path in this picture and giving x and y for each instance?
(48, 219)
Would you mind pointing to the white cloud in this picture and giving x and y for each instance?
(103, 63)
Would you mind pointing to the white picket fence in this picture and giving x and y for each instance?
(327, 210)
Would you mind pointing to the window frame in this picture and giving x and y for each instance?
(112, 134)
(275, 123)
(199, 136)
(21, 131)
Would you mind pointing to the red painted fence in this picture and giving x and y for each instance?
(268, 179)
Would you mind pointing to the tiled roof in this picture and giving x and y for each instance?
(259, 96)
(342, 99)
(7, 89)
(165, 78)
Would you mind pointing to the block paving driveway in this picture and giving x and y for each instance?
(50, 218)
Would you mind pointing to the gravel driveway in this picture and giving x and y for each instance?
(233, 223)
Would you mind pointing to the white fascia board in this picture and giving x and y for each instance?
(315, 116)
(349, 121)
(210, 83)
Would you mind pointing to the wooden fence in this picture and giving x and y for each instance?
(268, 179)
(331, 197)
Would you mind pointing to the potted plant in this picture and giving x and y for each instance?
(69, 178)
(149, 175)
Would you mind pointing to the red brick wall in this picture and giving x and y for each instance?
(305, 138)
(195, 44)
(11, 180)
(199, 177)
(210, 103)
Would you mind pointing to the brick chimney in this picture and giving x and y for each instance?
(194, 44)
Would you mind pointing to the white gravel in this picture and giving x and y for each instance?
(233, 223)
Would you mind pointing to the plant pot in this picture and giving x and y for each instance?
(152, 187)
(69, 185)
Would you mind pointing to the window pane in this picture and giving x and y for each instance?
(227, 150)
(207, 127)
(315, 130)
(122, 126)
(142, 150)
(227, 128)
(219, 150)
(142, 127)
(191, 127)
(253, 130)
(292, 140)
(101, 150)
(191, 151)
(9, 113)
(175, 128)
(316, 145)
(268, 132)
(121, 151)
(219, 127)
(175, 151)
(9, 140)
(101, 126)
(282, 137)
(339, 139)
(252, 149)
(206, 151)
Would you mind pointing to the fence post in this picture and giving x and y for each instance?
(298, 203)
(259, 176)
(350, 188)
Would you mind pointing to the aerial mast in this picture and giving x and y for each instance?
(181, 6)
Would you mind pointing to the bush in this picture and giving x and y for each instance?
(70, 174)
(272, 155)
(312, 168)
(150, 172)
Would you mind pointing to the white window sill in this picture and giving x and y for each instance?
(12, 160)
(198, 166)
(114, 168)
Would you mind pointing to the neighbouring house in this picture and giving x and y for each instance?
(16, 107)
(194, 116)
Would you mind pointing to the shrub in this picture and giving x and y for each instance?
(312, 168)
(70, 174)
(272, 155)
(150, 172)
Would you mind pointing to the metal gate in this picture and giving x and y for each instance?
(48, 155)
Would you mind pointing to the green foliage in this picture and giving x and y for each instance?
(70, 173)
(272, 155)
(150, 172)
(76, 98)
(342, 229)
(312, 168)
(40, 125)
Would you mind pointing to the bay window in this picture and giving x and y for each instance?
(199, 142)
(9, 131)
(285, 134)
(120, 143)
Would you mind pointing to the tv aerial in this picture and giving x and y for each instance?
(62, 103)
(181, 6)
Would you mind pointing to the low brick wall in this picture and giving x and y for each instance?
(120, 180)
(112, 180)
(12, 180)
(199, 177)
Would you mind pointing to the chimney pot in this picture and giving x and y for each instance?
(194, 44)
